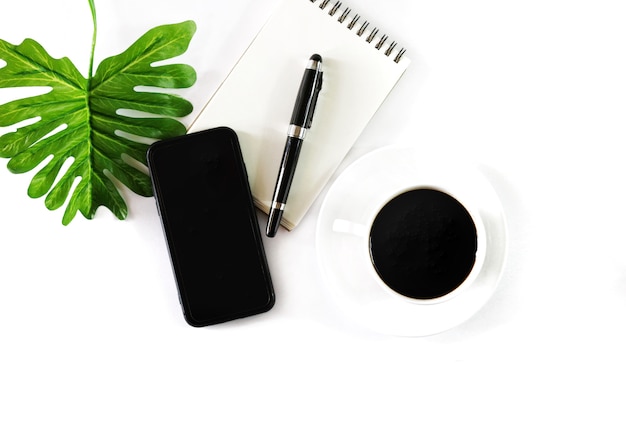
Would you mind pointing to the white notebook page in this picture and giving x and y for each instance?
(256, 99)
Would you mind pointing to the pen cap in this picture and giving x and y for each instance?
(307, 94)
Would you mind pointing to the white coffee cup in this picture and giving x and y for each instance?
(343, 233)
(362, 231)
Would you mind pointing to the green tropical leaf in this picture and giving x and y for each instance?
(82, 120)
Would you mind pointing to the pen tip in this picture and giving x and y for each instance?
(316, 57)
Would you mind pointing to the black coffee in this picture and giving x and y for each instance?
(423, 243)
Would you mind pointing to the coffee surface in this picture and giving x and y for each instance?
(423, 243)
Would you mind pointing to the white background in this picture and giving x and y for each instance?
(92, 339)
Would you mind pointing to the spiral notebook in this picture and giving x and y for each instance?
(361, 65)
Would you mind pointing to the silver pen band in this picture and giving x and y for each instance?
(314, 64)
(278, 205)
(296, 131)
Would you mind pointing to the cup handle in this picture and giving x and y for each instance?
(349, 227)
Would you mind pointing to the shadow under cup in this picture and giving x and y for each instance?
(423, 244)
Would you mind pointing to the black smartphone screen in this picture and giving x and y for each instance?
(210, 224)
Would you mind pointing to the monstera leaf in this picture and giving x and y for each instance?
(83, 121)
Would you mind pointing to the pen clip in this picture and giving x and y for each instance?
(317, 86)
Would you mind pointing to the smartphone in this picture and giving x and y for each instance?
(210, 224)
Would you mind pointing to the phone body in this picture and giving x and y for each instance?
(210, 224)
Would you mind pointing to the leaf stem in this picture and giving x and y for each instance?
(92, 6)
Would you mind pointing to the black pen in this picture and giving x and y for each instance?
(301, 119)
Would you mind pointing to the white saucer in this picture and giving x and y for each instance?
(356, 196)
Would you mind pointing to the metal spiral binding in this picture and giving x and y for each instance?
(361, 30)
(372, 35)
(343, 16)
(354, 21)
(323, 4)
(333, 10)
